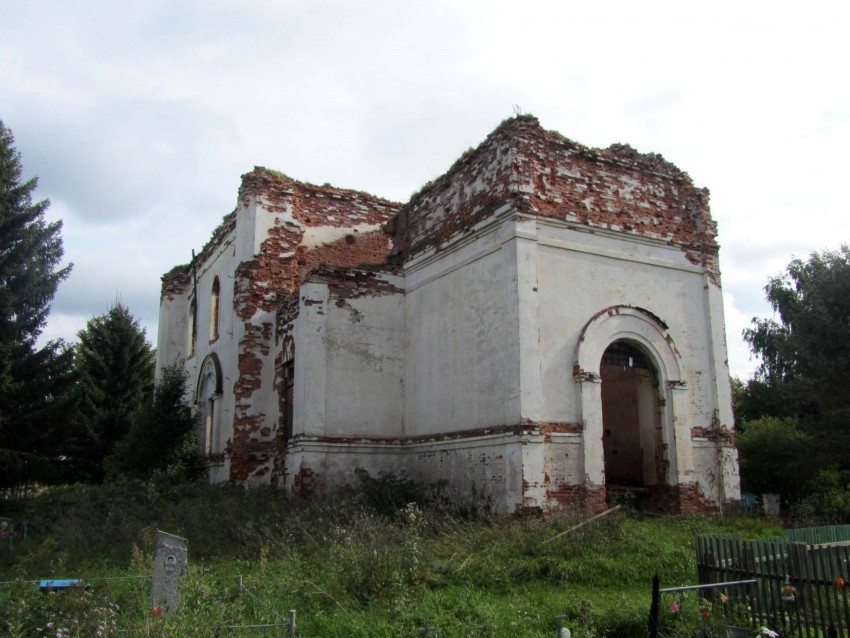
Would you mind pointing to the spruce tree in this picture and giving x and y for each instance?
(31, 379)
(163, 435)
(115, 365)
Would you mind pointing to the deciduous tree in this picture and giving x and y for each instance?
(805, 349)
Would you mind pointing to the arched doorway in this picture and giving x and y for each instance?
(630, 417)
(660, 403)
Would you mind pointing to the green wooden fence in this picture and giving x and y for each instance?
(800, 589)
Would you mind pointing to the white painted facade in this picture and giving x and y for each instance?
(474, 360)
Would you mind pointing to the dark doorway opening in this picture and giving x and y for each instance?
(630, 421)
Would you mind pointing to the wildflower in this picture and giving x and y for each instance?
(724, 598)
(674, 607)
(157, 611)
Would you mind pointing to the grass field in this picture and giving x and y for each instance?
(388, 560)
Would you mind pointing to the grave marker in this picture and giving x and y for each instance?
(169, 568)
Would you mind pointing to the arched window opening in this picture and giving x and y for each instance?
(214, 309)
(193, 326)
(288, 397)
(207, 400)
(209, 420)
(631, 418)
(288, 386)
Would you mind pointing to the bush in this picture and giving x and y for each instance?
(776, 457)
(827, 502)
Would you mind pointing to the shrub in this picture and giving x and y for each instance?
(776, 457)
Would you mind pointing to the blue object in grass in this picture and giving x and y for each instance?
(58, 584)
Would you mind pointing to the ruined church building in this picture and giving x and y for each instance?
(540, 327)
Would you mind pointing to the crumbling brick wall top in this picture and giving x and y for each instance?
(315, 205)
(312, 207)
(537, 172)
(542, 173)
(176, 282)
(351, 283)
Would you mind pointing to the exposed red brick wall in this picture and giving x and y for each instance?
(263, 281)
(265, 287)
(176, 282)
(314, 205)
(353, 250)
(542, 173)
(681, 499)
(669, 499)
(477, 184)
(345, 284)
(577, 497)
(721, 434)
(306, 483)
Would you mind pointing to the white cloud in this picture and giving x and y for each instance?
(140, 117)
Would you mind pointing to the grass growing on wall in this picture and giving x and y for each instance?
(384, 561)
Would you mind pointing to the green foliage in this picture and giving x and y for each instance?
(754, 399)
(31, 379)
(347, 567)
(827, 501)
(115, 364)
(42, 433)
(162, 437)
(30, 251)
(76, 613)
(775, 457)
(811, 341)
(805, 355)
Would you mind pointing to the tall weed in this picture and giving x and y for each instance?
(384, 561)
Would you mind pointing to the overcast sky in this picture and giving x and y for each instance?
(139, 117)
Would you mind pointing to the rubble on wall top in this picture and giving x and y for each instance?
(521, 130)
(540, 172)
(273, 184)
(623, 155)
(177, 279)
(654, 162)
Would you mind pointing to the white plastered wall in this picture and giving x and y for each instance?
(461, 365)
(580, 273)
(410, 383)
(489, 330)
(175, 316)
